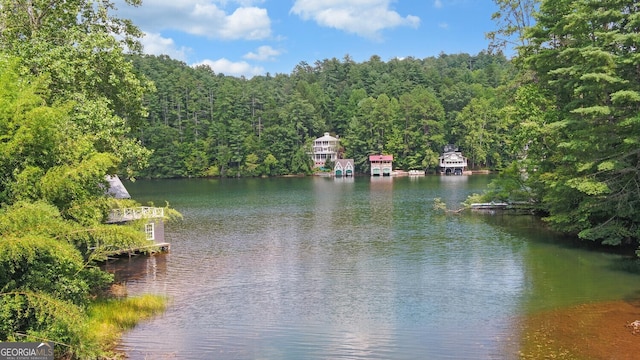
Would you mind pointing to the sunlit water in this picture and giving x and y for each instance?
(323, 268)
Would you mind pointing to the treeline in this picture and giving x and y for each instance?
(577, 111)
(206, 124)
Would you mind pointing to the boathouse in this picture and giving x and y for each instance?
(324, 148)
(153, 216)
(452, 162)
(381, 165)
(343, 167)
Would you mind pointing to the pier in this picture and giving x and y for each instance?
(489, 206)
(137, 250)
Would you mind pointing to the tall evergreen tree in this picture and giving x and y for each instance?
(583, 54)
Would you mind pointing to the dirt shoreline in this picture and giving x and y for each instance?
(587, 331)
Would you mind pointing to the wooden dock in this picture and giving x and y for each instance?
(515, 208)
(489, 206)
(134, 251)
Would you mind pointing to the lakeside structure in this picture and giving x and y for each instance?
(452, 162)
(153, 219)
(343, 167)
(381, 165)
(324, 148)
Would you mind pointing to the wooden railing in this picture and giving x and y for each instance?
(130, 214)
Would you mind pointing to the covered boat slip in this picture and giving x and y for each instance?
(344, 167)
(381, 165)
(452, 162)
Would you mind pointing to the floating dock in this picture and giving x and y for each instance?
(514, 208)
(489, 206)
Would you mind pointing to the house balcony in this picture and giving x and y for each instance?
(136, 213)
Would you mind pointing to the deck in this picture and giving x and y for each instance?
(144, 249)
(136, 213)
(489, 206)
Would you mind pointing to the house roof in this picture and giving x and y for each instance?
(344, 162)
(453, 156)
(327, 137)
(116, 188)
(380, 157)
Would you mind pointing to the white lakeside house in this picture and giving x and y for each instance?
(324, 148)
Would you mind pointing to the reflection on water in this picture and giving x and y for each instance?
(321, 268)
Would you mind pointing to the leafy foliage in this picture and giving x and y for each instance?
(68, 101)
(578, 119)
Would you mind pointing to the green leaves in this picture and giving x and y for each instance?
(74, 43)
(68, 100)
(583, 57)
(589, 186)
(624, 97)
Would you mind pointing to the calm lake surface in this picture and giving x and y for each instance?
(323, 268)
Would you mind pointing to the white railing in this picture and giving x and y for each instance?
(130, 214)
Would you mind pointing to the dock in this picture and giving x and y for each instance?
(489, 206)
(134, 251)
(513, 208)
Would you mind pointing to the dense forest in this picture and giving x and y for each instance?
(206, 124)
(560, 121)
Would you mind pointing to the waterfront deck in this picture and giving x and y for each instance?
(137, 213)
(137, 250)
(489, 206)
(514, 208)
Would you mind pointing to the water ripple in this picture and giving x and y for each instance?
(316, 269)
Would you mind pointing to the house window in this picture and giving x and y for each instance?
(148, 229)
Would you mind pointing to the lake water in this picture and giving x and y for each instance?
(364, 268)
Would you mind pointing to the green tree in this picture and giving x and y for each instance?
(51, 219)
(582, 54)
(482, 132)
(73, 43)
(513, 18)
(422, 121)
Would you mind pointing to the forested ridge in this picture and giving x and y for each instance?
(206, 124)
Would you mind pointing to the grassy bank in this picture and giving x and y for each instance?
(110, 318)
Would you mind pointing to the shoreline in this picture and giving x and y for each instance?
(599, 330)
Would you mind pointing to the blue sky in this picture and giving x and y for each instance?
(255, 37)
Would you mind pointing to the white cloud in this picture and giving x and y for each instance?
(227, 67)
(249, 23)
(443, 25)
(241, 2)
(200, 17)
(264, 53)
(155, 44)
(365, 18)
(437, 4)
